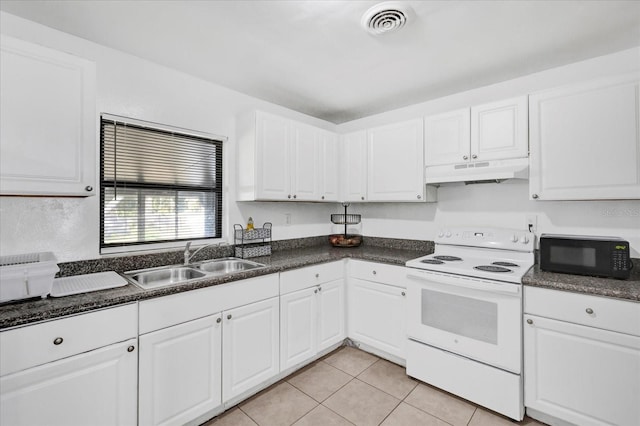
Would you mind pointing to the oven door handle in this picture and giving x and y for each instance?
(465, 282)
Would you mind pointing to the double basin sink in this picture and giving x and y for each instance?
(177, 274)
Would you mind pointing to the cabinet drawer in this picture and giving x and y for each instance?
(378, 272)
(302, 278)
(594, 311)
(182, 307)
(33, 345)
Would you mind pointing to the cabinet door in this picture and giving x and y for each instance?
(98, 387)
(583, 375)
(250, 346)
(377, 316)
(273, 176)
(585, 143)
(447, 137)
(180, 372)
(329, 166)
(305, 164)
(396, 162)
(298, 325)
(47, 125)
(499, 130)
(331, 309)
(353, 166)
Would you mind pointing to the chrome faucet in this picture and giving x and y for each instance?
(188, 256)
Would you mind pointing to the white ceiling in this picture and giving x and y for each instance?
(313, 56)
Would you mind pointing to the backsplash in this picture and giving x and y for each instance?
(152, 260)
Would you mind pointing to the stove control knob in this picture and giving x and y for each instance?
(524, 239)
(440, 234)
(514, 238)
(448, 234)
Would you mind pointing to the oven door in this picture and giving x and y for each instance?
(475, 318)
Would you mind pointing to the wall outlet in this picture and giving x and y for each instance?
(287, 218)
(531, 223)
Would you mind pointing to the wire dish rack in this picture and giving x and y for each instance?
(254, 242)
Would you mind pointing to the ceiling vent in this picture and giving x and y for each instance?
(386, 17)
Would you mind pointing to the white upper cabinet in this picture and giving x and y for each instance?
(395, 162)
(305, 167)
(48, 131)
(282, 160)
(447, 137)
(273, 157)
(329, 170)
(499, 130)
(353, 166)
(494, 131)
(585, 143)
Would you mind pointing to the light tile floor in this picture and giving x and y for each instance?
(352, 387)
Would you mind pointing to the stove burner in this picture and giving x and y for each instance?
(432, 261)
(508, 264)
(492, 268)
(447, 258)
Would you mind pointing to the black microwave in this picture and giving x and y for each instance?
(585, 255)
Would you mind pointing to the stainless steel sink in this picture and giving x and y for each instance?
(163, 276)
(178, 274)
(227, 265)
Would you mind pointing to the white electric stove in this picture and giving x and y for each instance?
(465, 315)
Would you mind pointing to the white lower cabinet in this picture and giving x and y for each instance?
(180, 372)
(80, 370)
(377, 307)
(311, 320)
(574, 370)
(249, 346)
(331, 313)
(312, 312)
(93, 388)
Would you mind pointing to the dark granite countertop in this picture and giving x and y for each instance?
(609, 287)
(286, 256)
(33, 310)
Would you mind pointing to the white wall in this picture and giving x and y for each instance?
(132, 87)
(136, 88)
(505, 204)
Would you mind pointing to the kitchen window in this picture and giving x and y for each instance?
(158, 184)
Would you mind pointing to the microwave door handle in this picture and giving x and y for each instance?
(465, 282)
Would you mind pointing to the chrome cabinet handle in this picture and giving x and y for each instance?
(315, 291)
(374, 272)
(289, 196)
(474, 156)
(58, 340)
(88, 188)
(219, 320)
(322, 197)
(465, 157)
(295, 196)
(419, 197)
(589, 311)
(319, 288)
(131, 348)
(404, 294)
(229, 316)
(534, 196)
(529, 321)
(362, 198)
(317, 275)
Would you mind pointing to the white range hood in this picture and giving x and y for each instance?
(480, 171)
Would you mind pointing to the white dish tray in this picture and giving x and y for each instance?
(23, 276)
(77, 284)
